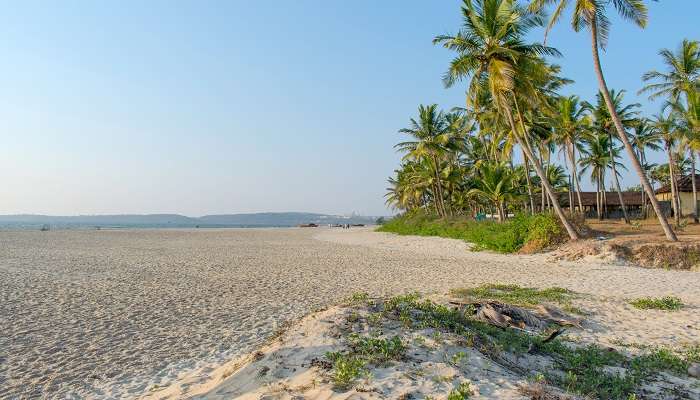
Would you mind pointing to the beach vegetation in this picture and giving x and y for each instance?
(346, 369)
(350, 365)
(376, 350)
(536, 231)
(585, 370)
(358, 298)
(515, 295)
(461, 392)
(667, 303)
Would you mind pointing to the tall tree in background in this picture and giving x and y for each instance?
(666, 128)
(569, 124)
(604, 124)
(645, 137)
(591, 15)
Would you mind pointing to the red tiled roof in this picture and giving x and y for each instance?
(685, 184)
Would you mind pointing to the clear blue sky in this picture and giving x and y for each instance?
(240, 106)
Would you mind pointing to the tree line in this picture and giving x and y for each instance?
(460, 161)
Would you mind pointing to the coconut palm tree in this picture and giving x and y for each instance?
(666, 128)
(410, 188)
(683, 76)
(680, 84)
(569, 122)
(689, 123)
(495, 185)
(431, 144)
(604, 124)
(591, 15)
(645, 137)
(597, 158)
(492, 53)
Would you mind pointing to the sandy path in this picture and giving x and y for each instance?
(94, 314)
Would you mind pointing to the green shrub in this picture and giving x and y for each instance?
(463, 392)
(346, 369)
(516, 295)
(535, 231)
(376, 350)
(668, 303)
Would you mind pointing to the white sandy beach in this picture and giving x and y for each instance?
(119, 313)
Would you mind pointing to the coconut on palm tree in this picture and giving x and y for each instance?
(591, 15)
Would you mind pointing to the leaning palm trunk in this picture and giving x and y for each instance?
(670, 235)
(617, 181)
(540, 173)
(696, 217)
(572, 157)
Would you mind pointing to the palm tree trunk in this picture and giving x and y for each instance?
(605, 196)
(570, 188)
(542, 191)
(572, 156)
(616, 180)
(643, 159)
(676, 214)
(696, 217)
(670, 235)
(538, 169)
(598, 199)
(529, 184)
(438, 186)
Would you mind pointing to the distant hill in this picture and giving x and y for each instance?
(272, 219)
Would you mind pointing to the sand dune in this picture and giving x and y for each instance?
(120, 314)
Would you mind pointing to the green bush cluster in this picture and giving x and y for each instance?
(348, 366)
(537, 231)
(515, 295)
(668, 303)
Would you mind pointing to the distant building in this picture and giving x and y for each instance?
(685, 191)
(611, 205)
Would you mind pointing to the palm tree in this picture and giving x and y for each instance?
(410, 189)
(495, 185)
(597, 157)
(569, 123)
(430, 146)
(683, 76)
(604, 124)
(689, 121)
(492, 53)
(680, 83)
(643, 138)
(591, 14)
(666, 128)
